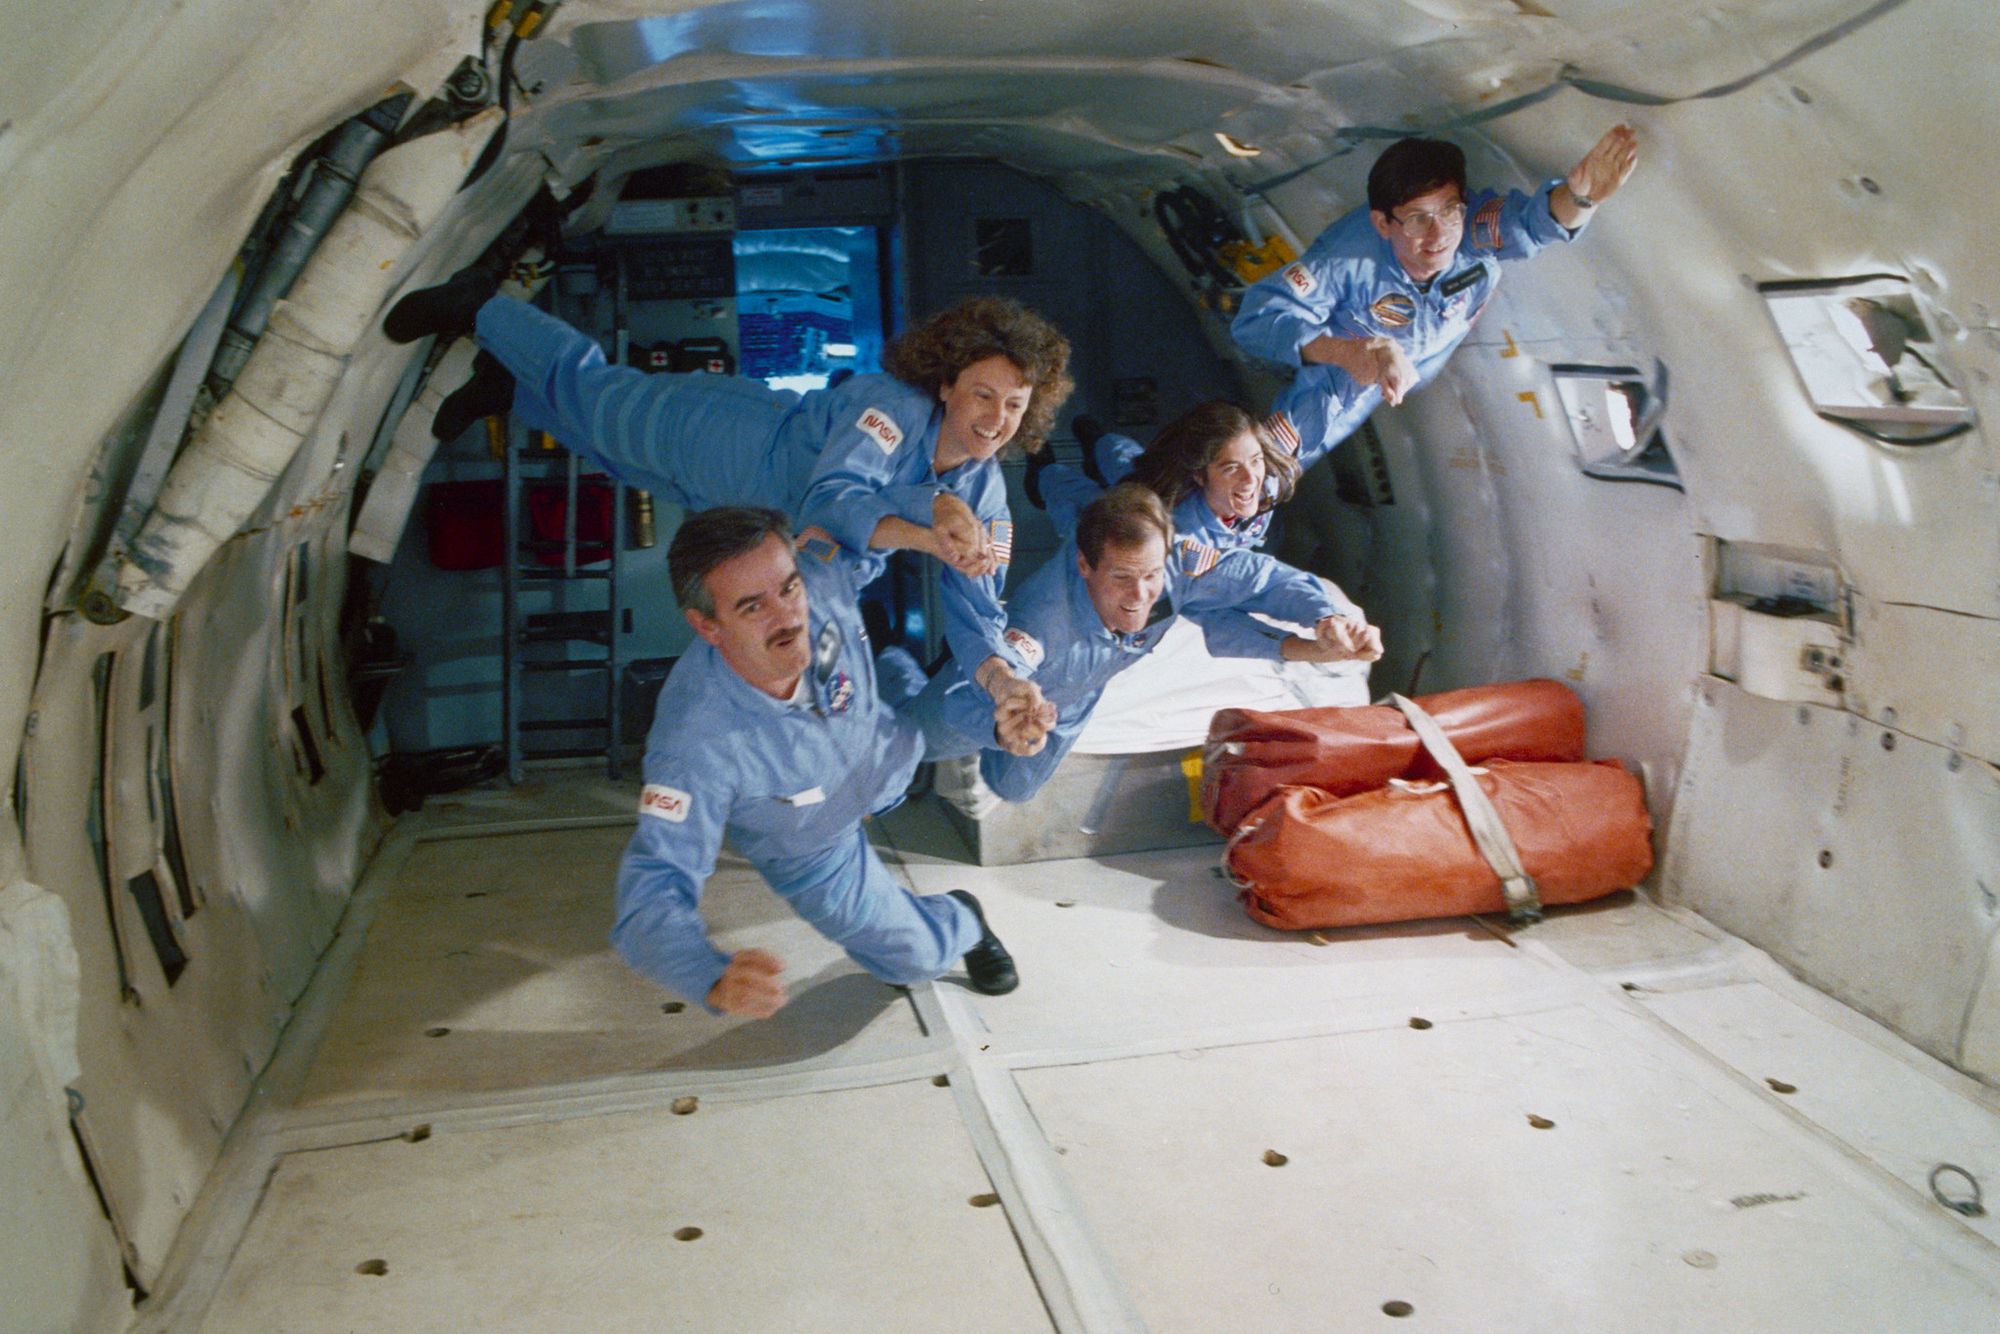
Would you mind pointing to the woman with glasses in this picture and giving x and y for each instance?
(1378, 303)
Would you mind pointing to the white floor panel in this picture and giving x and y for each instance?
(1120, 1104)
(504, 943)
(1152, 947)
(1869, 1089)
(849, 1210)
(1662, 1197)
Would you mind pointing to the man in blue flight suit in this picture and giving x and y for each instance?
(1086, 615)
(1378, 303)
(769, 730)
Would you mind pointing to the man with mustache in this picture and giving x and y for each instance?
(1087, 615)
(770, 730)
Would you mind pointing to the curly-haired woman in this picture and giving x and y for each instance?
(900, 460)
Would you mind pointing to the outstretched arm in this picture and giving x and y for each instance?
(1596, 177)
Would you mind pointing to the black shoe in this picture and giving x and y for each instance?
(489, 393)
(1031, 480)
(1088, 431)
(987, 964)
(448, 308)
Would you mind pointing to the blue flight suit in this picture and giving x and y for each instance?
(1053, 622)
(842, 458)
(1350, 284)
(788, 783)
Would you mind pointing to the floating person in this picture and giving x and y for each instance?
(1088, 614)
(1220, 473)
(1377, 304)
(770, 732)
(1215, 466)
(899, 460)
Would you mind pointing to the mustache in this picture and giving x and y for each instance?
(783, 634)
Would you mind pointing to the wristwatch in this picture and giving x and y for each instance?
(1577, 197)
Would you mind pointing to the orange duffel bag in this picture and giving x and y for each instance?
(1251, 754)
(1309, 858)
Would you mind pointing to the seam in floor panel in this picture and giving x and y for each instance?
(1078, 1283)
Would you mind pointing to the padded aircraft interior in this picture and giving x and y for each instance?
(323, 734)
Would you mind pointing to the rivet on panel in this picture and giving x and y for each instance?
(1065, 903)
(1888, 741)
(687, 1234)
(1801, 95)
(418, 1133)
(1398, 1309)
(1417, 1021)
(685, 1105)
(1780, 1086)
(942, 1081)
(1272, 1158)
(1700, 1259)
(1825, 858)
(1955, 762)
(436, 1032)
(672, 1007)
(985, 1200)
(1805, 716)
(1870, 184)
(374, 1267)
(1540, 1122)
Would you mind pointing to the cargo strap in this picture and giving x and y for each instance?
(1524, 900)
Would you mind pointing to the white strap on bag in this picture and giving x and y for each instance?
(1524, 900)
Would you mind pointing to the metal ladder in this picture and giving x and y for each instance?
(527, 636)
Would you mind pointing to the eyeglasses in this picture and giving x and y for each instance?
(1416, 224)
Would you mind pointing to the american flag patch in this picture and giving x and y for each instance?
(1197, 558)
(1486, 226)
(815, 541)
(1281, 429)
(1001, 531)
(1394, 310)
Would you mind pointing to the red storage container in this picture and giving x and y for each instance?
(1342, 751)
(1308, 858)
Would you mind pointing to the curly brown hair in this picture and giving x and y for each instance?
(932, 355)
(1172, 465)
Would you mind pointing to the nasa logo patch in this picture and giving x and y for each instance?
(1394, 310)
(878, 426)
(1025, 644)
(1299, 280)
(840, 693)
(664, 803)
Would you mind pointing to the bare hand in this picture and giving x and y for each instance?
(959, 538)
(1390, 367)
(749, 985)
(1022, 717)
(1606, 166)
(1337, 639)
